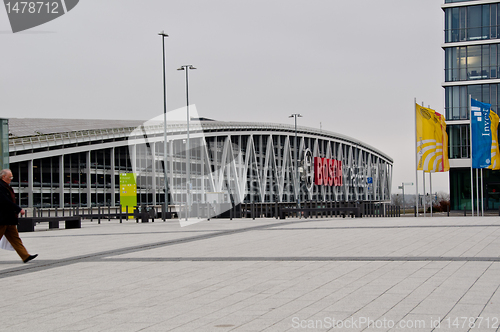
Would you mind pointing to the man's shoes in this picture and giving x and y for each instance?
(30, 258)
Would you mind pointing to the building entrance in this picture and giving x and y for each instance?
(492, 196)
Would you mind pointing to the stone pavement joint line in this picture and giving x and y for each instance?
(309, 259)
(92, 257)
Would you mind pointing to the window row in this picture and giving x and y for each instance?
(472, 23)
(457, 102)
(476, 62)
(458, 141)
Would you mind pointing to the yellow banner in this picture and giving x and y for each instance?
(426, 141)
(443, 164)
(432, 141)
(495, 153)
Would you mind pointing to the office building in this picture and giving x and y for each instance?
(472, 63)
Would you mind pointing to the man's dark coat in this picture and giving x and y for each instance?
(9, 210)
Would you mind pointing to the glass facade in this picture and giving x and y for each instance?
(69, 180)
(476, 62)
(230, 160)
(456, 99)
(471, 22)
(460, 184)
(471, 69)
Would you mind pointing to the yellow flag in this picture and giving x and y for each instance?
(426, 139)
(443, 163)
(495, 153)
(432, 141)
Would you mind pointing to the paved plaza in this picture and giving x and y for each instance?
(332, 274)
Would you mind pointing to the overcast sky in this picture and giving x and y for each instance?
(353, 66)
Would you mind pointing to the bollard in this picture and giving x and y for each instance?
(145, 214)
(448, 209)
(164, 210)
(121, 214)
(465, 211)
(109, 212)
(99, 214)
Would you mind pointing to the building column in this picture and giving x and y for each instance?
(153, 170)
(30, 183)
(113, 180)
(202, 160)
(89, 179)
(61, 181)
(171, 175)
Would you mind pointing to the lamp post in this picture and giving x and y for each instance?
(297, 189)
(188, 153)
(402, 186)
(165, 206)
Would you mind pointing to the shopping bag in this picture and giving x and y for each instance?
(5, 244)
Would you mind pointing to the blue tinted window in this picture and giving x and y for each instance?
(476, 62)
(471, 23)
(457, 99)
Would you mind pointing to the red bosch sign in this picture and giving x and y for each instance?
(327, 172)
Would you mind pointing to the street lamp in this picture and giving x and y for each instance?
(297, 188)
(188, 153)
(402, 186)
(165, 207)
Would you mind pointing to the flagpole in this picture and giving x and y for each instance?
(430, 179)
(423, 176)
(423, 200)
(482, 198)
(430, 186)
(416, 158)
(470, 148)
(477, 190)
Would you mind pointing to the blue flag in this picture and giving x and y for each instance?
(481, 134)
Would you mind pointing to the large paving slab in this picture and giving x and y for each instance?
(384, 274)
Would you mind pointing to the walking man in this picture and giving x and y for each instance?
(9, 212)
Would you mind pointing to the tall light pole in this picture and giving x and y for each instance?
(165, 203)
(402, 186)
(188, 152)
(297, 188)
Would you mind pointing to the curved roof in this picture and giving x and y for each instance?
(36, 127)
(25, 132)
